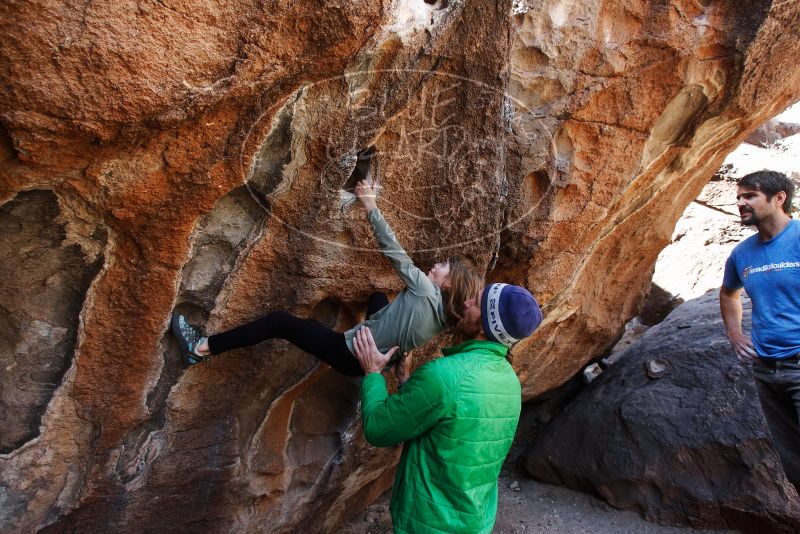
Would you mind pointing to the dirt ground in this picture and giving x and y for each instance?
(528, 506)
(535, 507)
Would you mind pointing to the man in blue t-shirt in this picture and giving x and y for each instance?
(767, 266)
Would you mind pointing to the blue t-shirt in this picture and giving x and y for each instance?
(769, 271)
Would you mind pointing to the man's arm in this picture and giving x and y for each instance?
(730, 307)
(412, 276)
(392, 419)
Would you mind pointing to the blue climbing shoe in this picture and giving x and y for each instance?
(188, 337)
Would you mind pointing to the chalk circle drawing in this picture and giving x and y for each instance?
(436, 137)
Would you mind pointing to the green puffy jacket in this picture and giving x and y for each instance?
(458, 416)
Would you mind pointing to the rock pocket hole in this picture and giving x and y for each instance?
(7, 152)
(365, 168)
(563, 150)
(539, 186)
(437, 4)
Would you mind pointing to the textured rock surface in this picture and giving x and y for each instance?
(200, 155)
(44, 290)
(689, 447)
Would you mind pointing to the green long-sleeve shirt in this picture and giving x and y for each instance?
(416, 314)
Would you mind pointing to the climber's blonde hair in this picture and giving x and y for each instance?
(465, 283)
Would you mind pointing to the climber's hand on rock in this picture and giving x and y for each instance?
(367, 353)
(367, 193)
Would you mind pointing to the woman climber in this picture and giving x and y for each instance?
(429, 304)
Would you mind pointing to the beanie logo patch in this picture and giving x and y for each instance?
(498, 330)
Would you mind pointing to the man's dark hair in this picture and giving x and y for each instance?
(769, 183)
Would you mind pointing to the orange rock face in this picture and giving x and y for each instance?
(200, 156)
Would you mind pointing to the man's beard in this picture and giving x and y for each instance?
(748, 218)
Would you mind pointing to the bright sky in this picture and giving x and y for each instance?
(790, 115)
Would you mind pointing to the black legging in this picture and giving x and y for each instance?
(307, 334)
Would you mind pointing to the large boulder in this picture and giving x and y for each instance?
(675, 431)
(201, 155)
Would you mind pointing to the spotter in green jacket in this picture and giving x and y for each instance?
(457, 416)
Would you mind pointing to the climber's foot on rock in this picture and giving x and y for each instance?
(189, 338)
